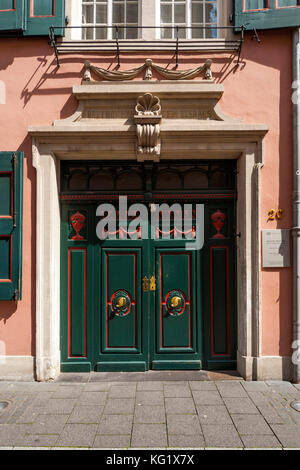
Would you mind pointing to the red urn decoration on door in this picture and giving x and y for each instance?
(77, 221)
(218, 221)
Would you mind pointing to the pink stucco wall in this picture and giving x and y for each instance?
(258, 91)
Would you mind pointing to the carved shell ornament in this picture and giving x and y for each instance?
(148, 105)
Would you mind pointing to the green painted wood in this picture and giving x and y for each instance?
(175, 274)
(76, 367)
(176, 365)
(132, 366)
(43, 7)
(77, 307)
(219, 298)
(41, 14)
(77, 256)
(286, 16)
(6, 187)
(219, 287)
(134, 342)
(12, 15)
(120, 274)
(11, 221)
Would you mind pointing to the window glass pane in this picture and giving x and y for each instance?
(101, 13)
(87, 14)
(211, 13)
(132, 13)
(101, 33)
(118, 13)
(166, 13)
(211, 32)
(131, 33)
(197, 12)
(197, 32)
(166, 33)
(87, 33)
(179, 13)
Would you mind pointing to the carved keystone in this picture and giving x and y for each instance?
(147, 119)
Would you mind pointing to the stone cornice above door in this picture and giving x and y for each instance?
(107, 125)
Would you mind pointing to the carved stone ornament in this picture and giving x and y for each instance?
(121, 75)
(147, 119)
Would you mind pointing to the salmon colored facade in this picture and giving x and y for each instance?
(256, 91)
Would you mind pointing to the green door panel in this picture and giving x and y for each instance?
(121, 301)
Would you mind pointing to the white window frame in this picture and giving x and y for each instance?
(188, 13)
(76, 15)
(149, 15)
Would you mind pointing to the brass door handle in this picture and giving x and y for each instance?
(175, 301)
(121, 302)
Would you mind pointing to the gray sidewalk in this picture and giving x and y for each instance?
(92, 412)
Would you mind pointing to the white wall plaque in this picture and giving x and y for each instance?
(276, 248)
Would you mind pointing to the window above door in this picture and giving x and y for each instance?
(148, 19)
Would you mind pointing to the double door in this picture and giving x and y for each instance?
(155, 302)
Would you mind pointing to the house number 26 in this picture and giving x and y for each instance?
(275, 214)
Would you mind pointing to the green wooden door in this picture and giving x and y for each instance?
(148, 303)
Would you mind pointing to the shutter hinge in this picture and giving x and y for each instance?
(16, 295)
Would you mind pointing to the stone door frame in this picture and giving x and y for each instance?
(194, 127)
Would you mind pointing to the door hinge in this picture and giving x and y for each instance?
(145, 284)
(152, 283)
(16, 295)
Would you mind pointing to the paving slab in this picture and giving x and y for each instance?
(11, 433)
(115, 424)
(179, 391)
(38, 440)
(112, 442)
(79, 435)
(119, 406)
(147, 414)
(231, 389)
(240, 405)
(150, 398)
(288, 435)
(180, 405)
(86, 414)
(58, 406)
(249, 424)
(48, 424)
(149, 435)
(203, 386)
(207, 397)
(221, 436)
(185, 425)
(261, 441)
(117, 391)
(98, 398)
(184, 441)
(213, 414)
(150, 385)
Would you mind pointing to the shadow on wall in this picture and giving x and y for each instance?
(7, 309)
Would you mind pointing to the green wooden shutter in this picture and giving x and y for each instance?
(12, 15)
(41, 14)
(11, 203)
(267, 14)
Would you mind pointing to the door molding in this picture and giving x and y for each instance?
(103, 128)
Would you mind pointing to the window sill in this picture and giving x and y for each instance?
(134, 45)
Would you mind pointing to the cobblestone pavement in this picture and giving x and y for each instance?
(90, 414)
